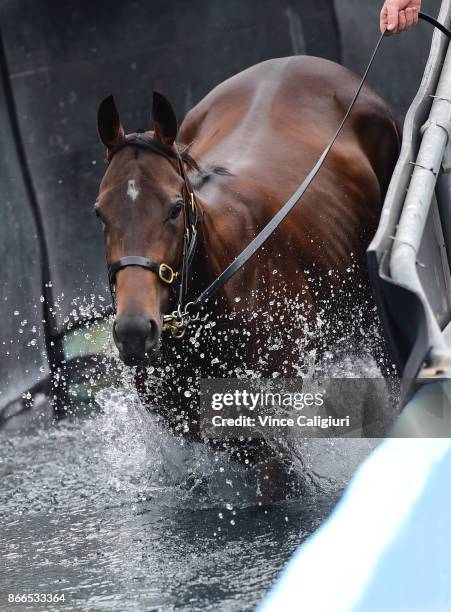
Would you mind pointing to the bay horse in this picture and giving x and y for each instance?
(243, 150)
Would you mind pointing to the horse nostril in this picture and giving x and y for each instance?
(135, 335)
(152, 337)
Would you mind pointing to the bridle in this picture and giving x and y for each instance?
(177, 321)
(177, 280)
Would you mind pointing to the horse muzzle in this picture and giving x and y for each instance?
(136, 337)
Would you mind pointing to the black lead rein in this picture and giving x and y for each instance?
(258, 241)
(435, 23)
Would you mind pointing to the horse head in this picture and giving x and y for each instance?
(142, 204)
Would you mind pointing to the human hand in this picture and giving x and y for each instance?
(399, 15)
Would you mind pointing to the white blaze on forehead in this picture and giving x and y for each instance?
(132, 190)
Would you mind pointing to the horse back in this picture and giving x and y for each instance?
(259, 133)
(288, 109)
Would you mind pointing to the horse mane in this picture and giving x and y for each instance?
(202, 173)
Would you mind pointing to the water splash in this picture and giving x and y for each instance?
(133, 457)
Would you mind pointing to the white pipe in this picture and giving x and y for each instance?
(417, 204)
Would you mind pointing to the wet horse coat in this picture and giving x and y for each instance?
(253, 138)
(266, 127)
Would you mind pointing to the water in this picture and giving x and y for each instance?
(117, 514)
(109, 509)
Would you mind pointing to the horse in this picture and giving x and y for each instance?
(242, 151)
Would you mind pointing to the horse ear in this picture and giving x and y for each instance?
(165, 121)
(109, 124)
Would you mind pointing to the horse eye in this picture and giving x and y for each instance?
(176, 210)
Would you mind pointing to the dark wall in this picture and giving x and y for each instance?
(23, 360)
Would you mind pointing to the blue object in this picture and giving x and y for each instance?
(387, 545)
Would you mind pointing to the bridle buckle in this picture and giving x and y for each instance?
(166, 274)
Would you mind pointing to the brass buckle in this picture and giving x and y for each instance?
(166, 273)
